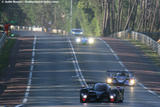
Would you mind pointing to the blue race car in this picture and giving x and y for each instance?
(85, 40)
(124, 78)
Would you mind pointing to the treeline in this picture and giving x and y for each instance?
(48, 15)
(96, 17)
(9, 12)
(102, 17)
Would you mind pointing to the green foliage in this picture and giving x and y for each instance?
(95, 17)
(87, 16)
(5, 53)
(37, 14)
(83, 4)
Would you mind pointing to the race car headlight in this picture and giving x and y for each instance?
(85, 96)
(81, 33)
(132, 82)
(78, 40)
(111, 97)
(73, 32)
(109, 80)
(91, 40)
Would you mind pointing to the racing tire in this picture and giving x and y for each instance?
(120, 95)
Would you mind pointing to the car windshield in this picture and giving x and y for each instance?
(101, 87)
(121, 74)
(76, 30)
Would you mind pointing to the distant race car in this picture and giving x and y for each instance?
(120, 78)
(84, 40)
(101, 92)
(77, 32)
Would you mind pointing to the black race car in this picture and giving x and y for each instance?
(124, 78)
(101, 92)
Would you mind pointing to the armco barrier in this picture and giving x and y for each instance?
(139, 37)
(37, 29)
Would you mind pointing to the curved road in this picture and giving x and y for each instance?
(54, 82)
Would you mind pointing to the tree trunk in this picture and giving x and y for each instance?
(130, 14)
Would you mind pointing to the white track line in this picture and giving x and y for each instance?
(121, 63)
(25, 99)
(114, 54)
(77, 68)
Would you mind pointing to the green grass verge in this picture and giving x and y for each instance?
(147, 51)
(5, 53)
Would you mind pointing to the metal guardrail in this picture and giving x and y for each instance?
(37, 29)
(2, 39)
(138, 37)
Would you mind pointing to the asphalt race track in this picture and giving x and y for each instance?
(60, 68)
